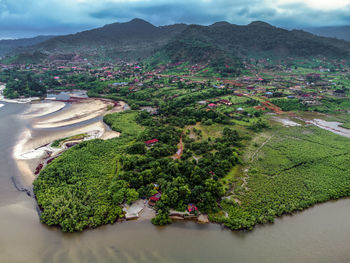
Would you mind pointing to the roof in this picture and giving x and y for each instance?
(151, 141)
(156, 197)
(192, 207)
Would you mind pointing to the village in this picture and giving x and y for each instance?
(262, 81)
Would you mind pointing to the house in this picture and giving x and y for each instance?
(313, 77)
(311, 103)
(154, 199)
(339, 93)
(151, 142)
(269, 94)
(211, 105)
(226, 102)
(116, 84)
(192, 208)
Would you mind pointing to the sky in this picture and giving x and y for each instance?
(28, 18)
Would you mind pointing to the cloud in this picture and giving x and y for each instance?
(33, 17)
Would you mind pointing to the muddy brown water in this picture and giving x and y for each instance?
(318, 234)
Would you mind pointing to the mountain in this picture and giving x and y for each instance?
(261, 39)
(7, 46)
(220, 42)
(130, 40)
(224, 44)
(340, 32)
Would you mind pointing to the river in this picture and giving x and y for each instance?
(318, 234)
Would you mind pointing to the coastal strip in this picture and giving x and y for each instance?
(52, 121)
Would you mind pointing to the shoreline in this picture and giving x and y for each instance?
(41, 151)
(51, 120)
(20, 101)
(34, 149)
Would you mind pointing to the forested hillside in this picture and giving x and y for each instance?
(221, 41)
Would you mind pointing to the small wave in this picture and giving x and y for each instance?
(23, 138)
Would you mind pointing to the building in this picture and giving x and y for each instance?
(151, 142)
(339, 93)
(192, 208)
(154, 199)
(226, 102)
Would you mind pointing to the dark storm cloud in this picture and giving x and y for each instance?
(33, 17)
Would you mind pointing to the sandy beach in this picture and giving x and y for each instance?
(34, 144)
(43, 108)
(78, 112)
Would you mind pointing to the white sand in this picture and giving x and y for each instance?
(78, 112)
(27, 144)
(29, 151)
(34, 146)
(43, 108)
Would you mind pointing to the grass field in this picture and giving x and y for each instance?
(296, 168)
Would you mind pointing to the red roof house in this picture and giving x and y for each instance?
(192, 208)
(150, 142)
(154, 199)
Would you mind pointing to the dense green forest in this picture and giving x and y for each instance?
(108, 173)
(22, 84)
(138, 39)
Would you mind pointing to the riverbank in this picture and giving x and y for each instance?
(22, 100)
(318, 234)
(53, 120)
(288, 168)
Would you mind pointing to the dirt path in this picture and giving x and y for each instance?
(272, 107)
(179, 152)
(258, 150)
(246, 170)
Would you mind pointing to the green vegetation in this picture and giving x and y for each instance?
(59, 142)
(109, 173)
(297, 168)
(21, 84)
(198, 130)
(81, 188)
